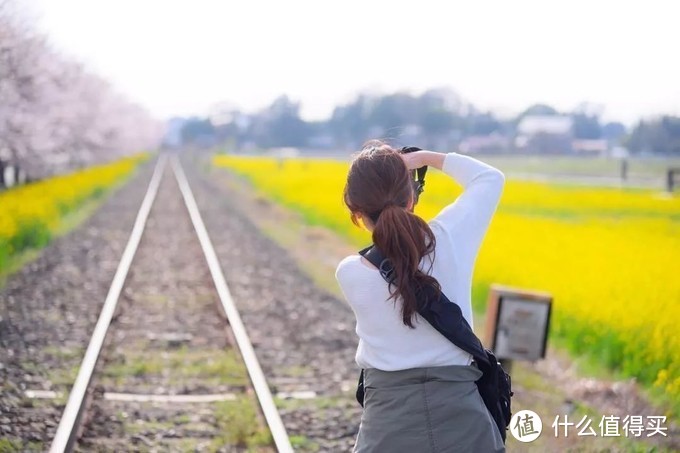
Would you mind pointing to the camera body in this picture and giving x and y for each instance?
(418, 175)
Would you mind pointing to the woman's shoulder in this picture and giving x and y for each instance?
(350, 266)
(436, 226)
(345, 264)
(440, 231)
(445, 243)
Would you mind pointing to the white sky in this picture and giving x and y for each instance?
(181, 56)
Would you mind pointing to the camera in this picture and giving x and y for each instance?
(418, 174)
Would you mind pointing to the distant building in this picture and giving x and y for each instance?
(494, 142)
(545, 124)
(545, 134)
(323, 140)
(590, 147)
(619, 152)
(283, 152)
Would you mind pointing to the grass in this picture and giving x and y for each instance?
(61, 379)
(62, 353)
(9, 445)
(304, 444)
(214, 366)
(297, 371)
(235, 422)
(594, 166)
(321, 402)
(239, 425)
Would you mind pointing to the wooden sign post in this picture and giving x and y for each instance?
(517, 322)
(670, 178)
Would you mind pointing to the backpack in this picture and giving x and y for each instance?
(494, 386)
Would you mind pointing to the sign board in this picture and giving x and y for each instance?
(517, 323)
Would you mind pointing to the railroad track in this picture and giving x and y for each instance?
(169, 365)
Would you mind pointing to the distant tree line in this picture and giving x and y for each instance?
(660, 135)
(437, 118)
(54, 115)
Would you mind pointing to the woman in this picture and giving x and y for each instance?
(420, 391)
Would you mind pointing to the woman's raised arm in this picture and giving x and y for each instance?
(468, 217)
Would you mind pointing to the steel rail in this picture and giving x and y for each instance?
(68, 427)
(257, 378)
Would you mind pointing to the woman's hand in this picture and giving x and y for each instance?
(419, 159)
(413, 160)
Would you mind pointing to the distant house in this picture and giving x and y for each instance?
(322, 140)
(494, 142)
(287, 152)
(619, 152)
(545, 124)
(546, 134)
(590, 147)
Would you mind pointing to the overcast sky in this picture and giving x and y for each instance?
(182, 57)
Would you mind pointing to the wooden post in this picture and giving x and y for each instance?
(624, 169)
(670, 178)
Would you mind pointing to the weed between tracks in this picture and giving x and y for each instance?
(212, 366)
(303, 443)
(317, 403)
(236, 423)
(16, 445)
(239, 425)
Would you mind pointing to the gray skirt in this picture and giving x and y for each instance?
(426, 410)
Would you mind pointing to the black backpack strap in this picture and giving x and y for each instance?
(376, 258)
(447, 317)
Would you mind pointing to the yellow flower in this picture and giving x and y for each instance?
(30, 214)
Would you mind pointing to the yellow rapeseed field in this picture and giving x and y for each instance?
(30, 214)
(609, 256)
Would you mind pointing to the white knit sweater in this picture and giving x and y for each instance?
(385, 342)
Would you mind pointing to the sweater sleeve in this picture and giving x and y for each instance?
(467, 219)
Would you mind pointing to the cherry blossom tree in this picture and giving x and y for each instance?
(55, 115)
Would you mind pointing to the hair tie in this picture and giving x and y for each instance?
(375, 216)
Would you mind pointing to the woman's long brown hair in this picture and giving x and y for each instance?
(380, 187)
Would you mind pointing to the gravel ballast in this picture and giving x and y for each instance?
(303, 336)
(48, 310)
(169, 339)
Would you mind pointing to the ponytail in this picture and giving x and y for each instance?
(380, 187)
(404, 239)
